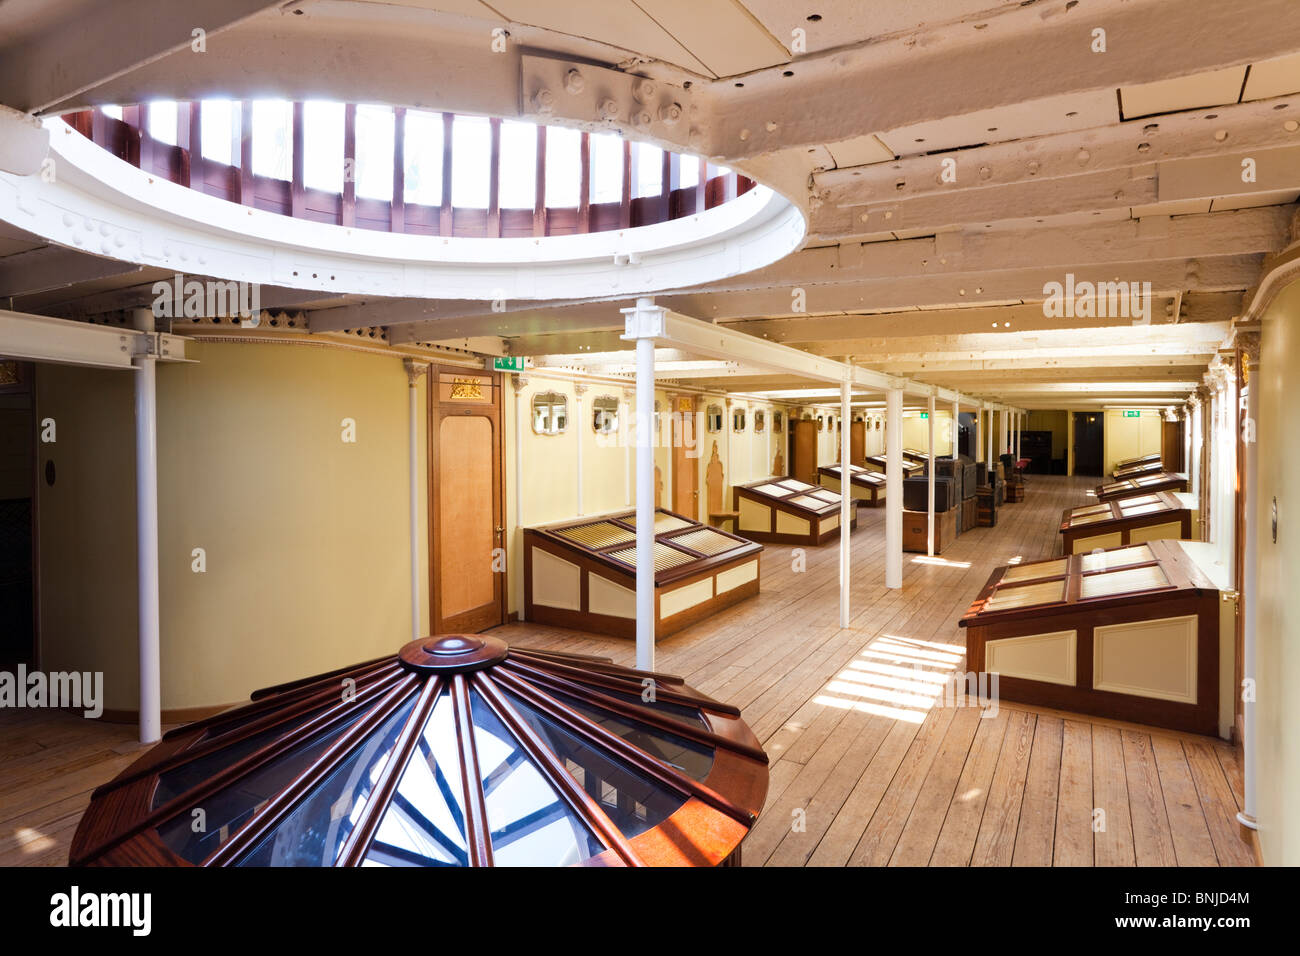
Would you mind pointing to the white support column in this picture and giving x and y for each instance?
(1020, 427)
(1249, 343)
(894, 488)
(414, 370)
(988, 442)
(519, 382)
(929, 491)
(579, 390)
(846, 498)
(146, 523)
(956, 427)
(625, 426)
(643, 324)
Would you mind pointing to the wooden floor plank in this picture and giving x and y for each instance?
(1037, 829)
(961, 822)
(1075, 806)
(1187, 826)
(1153, 844)
(1113, 841)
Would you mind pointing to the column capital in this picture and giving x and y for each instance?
(518, 382)
(645, 320)
(414, 369)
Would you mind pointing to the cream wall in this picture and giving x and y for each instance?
(916, 432)
(1124, 437)
(306, 537)
(1277, 709)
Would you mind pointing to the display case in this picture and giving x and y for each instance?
(581, 574)
(1141, 633)
(789, 511)
(1139, 460)
(910, 466)
(1139, 470)
(1144, 485)
(1120, 521)
(459, 750)
(867, 486)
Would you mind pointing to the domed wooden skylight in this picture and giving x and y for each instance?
(459, 751)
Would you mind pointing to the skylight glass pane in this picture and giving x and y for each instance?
(162, 121)
(690, 175)
(563, 167)
(518, 165)
(606, 167)
(273, 138)
(423, 146)
(650, 170)
(376, 128)
(322, 135)
(114, 111)
(219, 130)
(471, 152)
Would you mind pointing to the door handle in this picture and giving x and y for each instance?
(500, 529)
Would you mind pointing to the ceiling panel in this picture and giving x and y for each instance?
(1276, 198)
(1216, 88)
(859, 151)
(1273, 78)
(1055, 114)
(843, 22)
(620, 23)
(720, 33)
(1179, 207)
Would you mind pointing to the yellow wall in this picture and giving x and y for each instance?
(306, 537)
(1125, 437)
(1277, 623)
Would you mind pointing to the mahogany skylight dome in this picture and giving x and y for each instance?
(458, 751)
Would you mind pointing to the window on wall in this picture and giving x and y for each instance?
(550, 413)
(422, 141)
(604, 415)
(777, 423)
(518, 177)
(471, 147)
(689, 175)
(219, 131)
(273, 139)
(322, 139)
(163, 121)
(713, 419)
(649, 170)
(760, 421)
(738, 420)
(606, 167)
(563, 167)
(376, 129)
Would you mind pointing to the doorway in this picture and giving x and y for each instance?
(17, 515)
(466, 521)
(685, 458)
(1088, 441)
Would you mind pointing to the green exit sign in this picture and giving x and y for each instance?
(1132, 414)
(507, 363)
(925, 414)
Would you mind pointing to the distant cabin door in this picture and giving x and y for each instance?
(466, 523)
(858, 443)
(686, 458)
(803, 451)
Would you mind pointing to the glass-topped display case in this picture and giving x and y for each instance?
(911, 466)
(1121, 521)
(789, 511)
(460, 750)
(867, 486)
(1142, 485)
(581, 573)
(1139, 633)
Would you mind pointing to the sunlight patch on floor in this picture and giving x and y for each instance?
(941, 562)
(896, 677)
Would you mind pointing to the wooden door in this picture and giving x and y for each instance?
(466, 523)
(685, 458)
(858, 443)
(1171, 446)
(1088, 443)
(803, 459)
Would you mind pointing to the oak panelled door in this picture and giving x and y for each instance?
(685, 457)
(467, 571)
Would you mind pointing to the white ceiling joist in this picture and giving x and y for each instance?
(37, 338)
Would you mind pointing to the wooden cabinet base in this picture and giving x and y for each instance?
(916, 528)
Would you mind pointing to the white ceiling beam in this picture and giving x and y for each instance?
(53, 267)
(38, 338)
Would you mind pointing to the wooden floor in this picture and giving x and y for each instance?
(869, 767)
